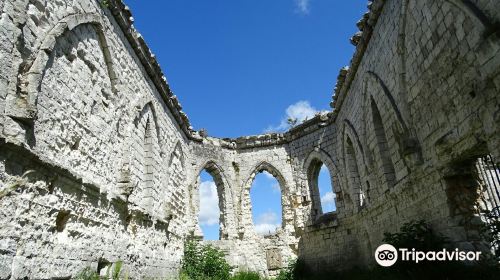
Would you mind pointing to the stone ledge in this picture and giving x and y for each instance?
(274, 139)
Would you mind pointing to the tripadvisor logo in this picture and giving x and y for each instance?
(387, 255)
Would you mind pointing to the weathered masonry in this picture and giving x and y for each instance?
(98, 163)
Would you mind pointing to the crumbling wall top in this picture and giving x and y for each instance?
(273, 139)
(123, 16)
(361, 39)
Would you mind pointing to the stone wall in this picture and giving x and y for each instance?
(89, 144)
(419, 102)
(98, 163)
(233, 171)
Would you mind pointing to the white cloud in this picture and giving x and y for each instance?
(302, 6)
(276, 188)
(324, 169)
(268, 175)
(301, 111)
(209, 204)
(328, 201)
(267, 223)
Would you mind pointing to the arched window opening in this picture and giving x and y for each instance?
(148, 157)
(265, 196)
(353, 173)
(209, 212)
(322, 191)
(386, 165)
(326, 190)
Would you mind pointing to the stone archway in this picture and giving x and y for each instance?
(247, 225)
(227, 219)
(311, 167)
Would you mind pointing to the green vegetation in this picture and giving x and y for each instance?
(294, 270)
(418, 235)
(87, 274)
(246, 275)
(204, 262)
(491, 230)
(292, 122)
(104, 3)
(112, 272)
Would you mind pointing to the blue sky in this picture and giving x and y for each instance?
(237, 65)
(242, 67)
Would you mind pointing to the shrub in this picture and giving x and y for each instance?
(491, 230)
(104, 3)
(415, 234)
(288, 272)
(87, 274)
(419, 235)
(246, 275)
(115, 274)
(204, 262)
(285, 275)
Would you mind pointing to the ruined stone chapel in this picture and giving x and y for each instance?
(99, 163)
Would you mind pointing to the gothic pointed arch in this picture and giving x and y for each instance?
(61, 101)
(265, 166)
(353, 178)
(149, 109)
(312, 165)
(177, 153)
(407, 146)
(389, 99)
(23, 103)
(355, 166)
(147, 115)
(144, 159)
(349, 129)
(227, 220)
(173, 199)
(245, 201)
(384, 161)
